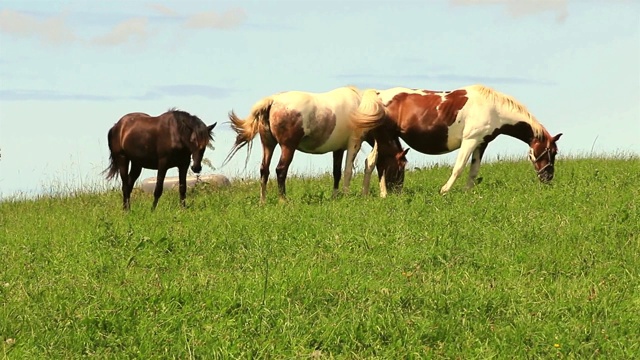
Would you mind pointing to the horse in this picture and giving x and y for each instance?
(314, 123)
(390, 164)
(467, 118)
(156, 142)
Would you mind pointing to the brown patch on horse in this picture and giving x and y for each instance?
(318, 129)
(520, 130)
(428, 116)
(286, 126)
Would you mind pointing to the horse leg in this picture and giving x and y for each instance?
(134, 174)
(123, 167)
(267, 154)
(466, 148)
(383, 185)
(476, 158)
(282, 169)
(182, 184)
(337, 170)
(162, 172)
(369, 165)
(352, 151)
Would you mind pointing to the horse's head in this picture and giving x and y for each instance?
(392, 165)
(542, 154)
(197, 146)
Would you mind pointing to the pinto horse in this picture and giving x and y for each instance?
(314, 123)
(156, 142)
(468, 118)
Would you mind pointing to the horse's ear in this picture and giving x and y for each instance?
(210, 127)
(557, 137)
(401, 156)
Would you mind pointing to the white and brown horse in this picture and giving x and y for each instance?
(314, 123)
(468, 118)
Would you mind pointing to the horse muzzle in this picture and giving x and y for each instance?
(196, 169)
(545, 177)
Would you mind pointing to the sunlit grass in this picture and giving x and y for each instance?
(511, 269)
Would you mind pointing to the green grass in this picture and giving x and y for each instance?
(511, 269)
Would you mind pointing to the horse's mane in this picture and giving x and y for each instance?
(512, 104)
(188, 124)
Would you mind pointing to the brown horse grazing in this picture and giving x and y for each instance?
(315, 123)
(389, 162)
(438, 122)
(156, 142)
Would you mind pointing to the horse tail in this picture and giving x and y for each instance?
(247, 129)
(369, 114)
(112, 170)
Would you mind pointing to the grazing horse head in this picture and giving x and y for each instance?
(390, 161)
(195, 136)
(392, 168)
(542, 153)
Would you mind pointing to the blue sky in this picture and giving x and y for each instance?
(70, 69)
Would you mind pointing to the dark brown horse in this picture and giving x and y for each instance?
(156, 142)
(468, 118)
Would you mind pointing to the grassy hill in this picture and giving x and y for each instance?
(511, 269)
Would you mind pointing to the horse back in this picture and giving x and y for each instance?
(144, 139)
(431, 122)
(316, 122)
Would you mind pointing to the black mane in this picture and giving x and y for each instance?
(188, 124)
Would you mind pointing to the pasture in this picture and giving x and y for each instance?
(511, 269)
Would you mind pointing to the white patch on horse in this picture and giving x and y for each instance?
(454, 136)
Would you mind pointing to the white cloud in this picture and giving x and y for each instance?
(213, 20)
(205, 19)
(134, 29)
(518, 8)
(52, 30)
(161, 9)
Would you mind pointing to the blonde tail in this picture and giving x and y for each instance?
(247, 129)
(369, 115)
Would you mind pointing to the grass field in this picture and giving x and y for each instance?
(511, 269)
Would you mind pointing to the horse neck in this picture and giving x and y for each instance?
(518, 125)
(520, 130)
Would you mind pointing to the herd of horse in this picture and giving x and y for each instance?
(430, 122)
